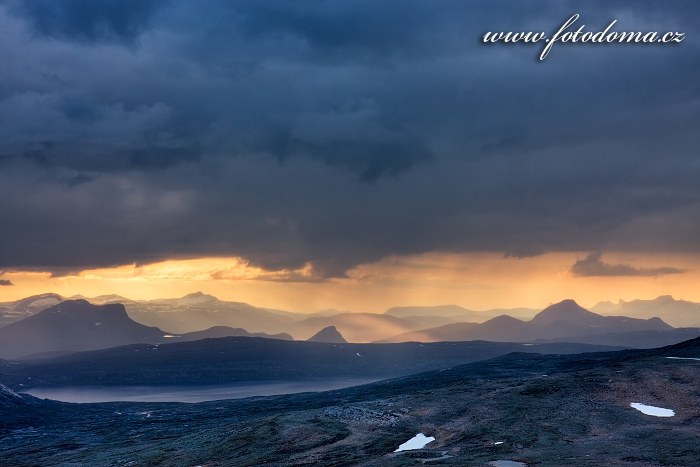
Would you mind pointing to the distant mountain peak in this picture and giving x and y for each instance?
(44, 295)
(82, 308)
(328, 334)
(665, 298)
(566, 305)
(566, 310)
(198, 293)
(606, 307)
(197, 297)
(503, 319)
(37, 302)
(567, 302)
(74, 325)
(109, 298)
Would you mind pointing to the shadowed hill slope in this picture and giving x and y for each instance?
(236, 359)
(74, 325)
(534, 409)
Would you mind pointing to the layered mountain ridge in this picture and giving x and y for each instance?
(563, 321)
(77, 325)
(165, 320)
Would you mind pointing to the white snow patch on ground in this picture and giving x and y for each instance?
(497, 443)
(651, 410)
(502, 463)
(417, 442)
(683, 358)
(358, 354)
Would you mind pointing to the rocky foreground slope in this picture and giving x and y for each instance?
(535, 409)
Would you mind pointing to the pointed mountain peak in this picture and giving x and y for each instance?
(566, 302)
(566, 310)
(328, 334)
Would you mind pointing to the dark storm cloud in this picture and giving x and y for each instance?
(339, 133)
(4, 282)
(89, 20)
(593, 266)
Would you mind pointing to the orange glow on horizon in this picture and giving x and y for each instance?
(477, 281)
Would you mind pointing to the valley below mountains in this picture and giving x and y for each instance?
(548, 410)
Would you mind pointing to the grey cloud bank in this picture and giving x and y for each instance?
(593, 266)
(338, 133)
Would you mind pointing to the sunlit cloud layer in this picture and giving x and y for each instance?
(474, 280)
(199, 269)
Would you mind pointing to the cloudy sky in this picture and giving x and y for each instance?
(348, 154)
